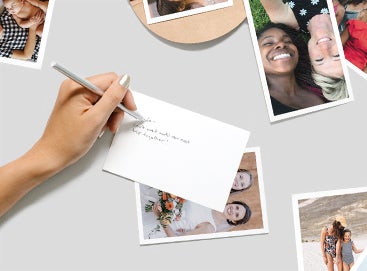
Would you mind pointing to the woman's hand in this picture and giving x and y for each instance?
(157, 209)
(78, 118)
(75, 123)
(38, 18)
(325, 259)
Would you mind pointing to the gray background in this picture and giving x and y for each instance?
(85, 219)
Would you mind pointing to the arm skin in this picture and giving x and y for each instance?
(30, 44)
(356, 250)
(40, 4)
(339, 251)
(74, 125)
(201, 228)
(280, 12)
(28, 49)
(344, 36)
(322, 240)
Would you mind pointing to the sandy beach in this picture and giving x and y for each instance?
(312, 259)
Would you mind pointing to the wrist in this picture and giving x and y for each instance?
(42, 164)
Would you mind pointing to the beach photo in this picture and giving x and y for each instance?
(351, 16)
(299, 55)
(163, 10)
(330, 229)
(24, 26)
(164, 217)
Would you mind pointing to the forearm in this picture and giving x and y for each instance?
(344, 36)
(28, 50)
(22, 175)
(169, 232)
(323, 253)
(25, 23)
(40, 4)
(279, 12)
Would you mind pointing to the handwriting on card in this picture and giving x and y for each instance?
(148, 130)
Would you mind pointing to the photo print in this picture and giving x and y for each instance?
(330, 228)
(163, 10)
(351, 17)
(165, 218)
(24, 26)
(299, 55)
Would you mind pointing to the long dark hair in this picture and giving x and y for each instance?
(245, 218)
(338, 229)
(303, 71)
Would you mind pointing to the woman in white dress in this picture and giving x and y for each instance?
(195, 218)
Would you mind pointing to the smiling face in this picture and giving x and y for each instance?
(324, 55)
(347, 236)
(278, 53)
(13, 6)
(242, 180)
(234, 212)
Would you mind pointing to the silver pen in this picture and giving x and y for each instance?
(125, 81)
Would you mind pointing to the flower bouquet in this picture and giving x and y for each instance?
(171, 208)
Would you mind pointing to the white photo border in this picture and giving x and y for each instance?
(37, 64)
(296, 219)
(263, 230)
(158, 19)
(361, 262)
(357, 70)
(275, 118)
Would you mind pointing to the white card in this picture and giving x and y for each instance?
(179, 151)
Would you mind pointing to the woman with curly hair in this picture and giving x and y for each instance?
(287, 68)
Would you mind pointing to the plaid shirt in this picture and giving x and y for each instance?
(14, 37)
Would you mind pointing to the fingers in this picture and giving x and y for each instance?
(128, 101)
(110, 99)
(103, 81)
(104, 109)
(114, 120)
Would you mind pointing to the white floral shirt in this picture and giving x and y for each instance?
(304, 10)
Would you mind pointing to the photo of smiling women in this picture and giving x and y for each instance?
(298, 56)
(164, 217)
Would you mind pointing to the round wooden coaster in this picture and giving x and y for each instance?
(195, 28)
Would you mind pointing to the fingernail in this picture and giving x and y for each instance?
(125, 81)
(102, 132)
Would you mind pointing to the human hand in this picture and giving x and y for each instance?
(38, 18)
(362, 15)
(325, 259)
(157, 209)
(78, 118)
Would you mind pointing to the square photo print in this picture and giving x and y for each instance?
(351, 17)
(330, 229)
(163, 10)
(24, 26)
(299, 54)
(165, 218)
